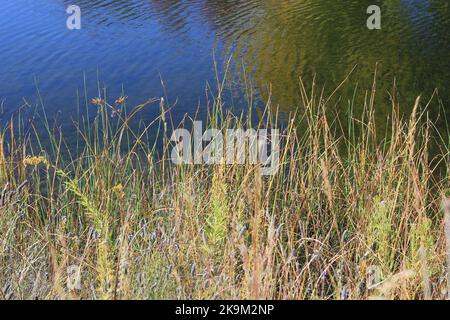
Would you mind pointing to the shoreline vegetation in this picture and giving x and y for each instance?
(358, 214)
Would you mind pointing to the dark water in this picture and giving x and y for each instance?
(133, 44)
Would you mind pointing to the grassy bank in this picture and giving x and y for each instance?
(349, 215)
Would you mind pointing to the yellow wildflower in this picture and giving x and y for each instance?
(34, 161)
(118, 190)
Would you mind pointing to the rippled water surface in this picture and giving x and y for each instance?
(132, 44)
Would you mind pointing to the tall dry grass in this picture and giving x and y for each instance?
(351, 214)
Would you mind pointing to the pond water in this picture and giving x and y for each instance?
(133, 44)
